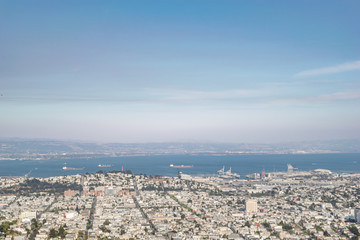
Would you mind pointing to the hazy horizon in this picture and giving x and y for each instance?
(20, 139)
(160, 71)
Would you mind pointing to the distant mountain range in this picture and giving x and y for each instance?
(23, 149)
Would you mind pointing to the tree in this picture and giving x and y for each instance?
(5, 226)
(312, 206)
(62, 232)
(354, 230)
(80, 235)
(287, 227)
(53, 233)
(34, 224)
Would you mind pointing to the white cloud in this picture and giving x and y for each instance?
(256, 98)
(328, 70)
(183, 95)
(319, 99)
(345, 95)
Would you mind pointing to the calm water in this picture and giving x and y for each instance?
(159, 165)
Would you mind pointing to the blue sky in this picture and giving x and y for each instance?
(153, 71)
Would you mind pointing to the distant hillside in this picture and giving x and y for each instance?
(45, 149)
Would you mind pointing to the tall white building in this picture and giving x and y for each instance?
(26, 216)
(357, 214)
(251, 207)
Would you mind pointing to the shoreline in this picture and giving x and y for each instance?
(61, 157)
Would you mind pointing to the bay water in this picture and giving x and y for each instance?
(203, 164)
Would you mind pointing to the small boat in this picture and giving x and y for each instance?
(181, 166)
(70, 168)
(103, 166)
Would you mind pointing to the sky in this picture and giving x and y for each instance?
(193, 71)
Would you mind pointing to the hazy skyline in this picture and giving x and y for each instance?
(151, 71)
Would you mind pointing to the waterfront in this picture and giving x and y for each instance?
(203, 164)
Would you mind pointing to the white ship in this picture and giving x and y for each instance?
(104, 166)
(227, 174)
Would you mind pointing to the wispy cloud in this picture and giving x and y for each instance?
(147, 95)
(345, 95)
(350, 95)
(349, 66)
(245, 98)
(190, 96)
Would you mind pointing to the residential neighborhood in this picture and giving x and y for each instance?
(120, 205)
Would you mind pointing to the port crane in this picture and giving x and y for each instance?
(27, 174)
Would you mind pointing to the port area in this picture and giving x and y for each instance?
(266, 181)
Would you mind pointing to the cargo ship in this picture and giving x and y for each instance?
(101, 165)
(181, 166)
(70, 168)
